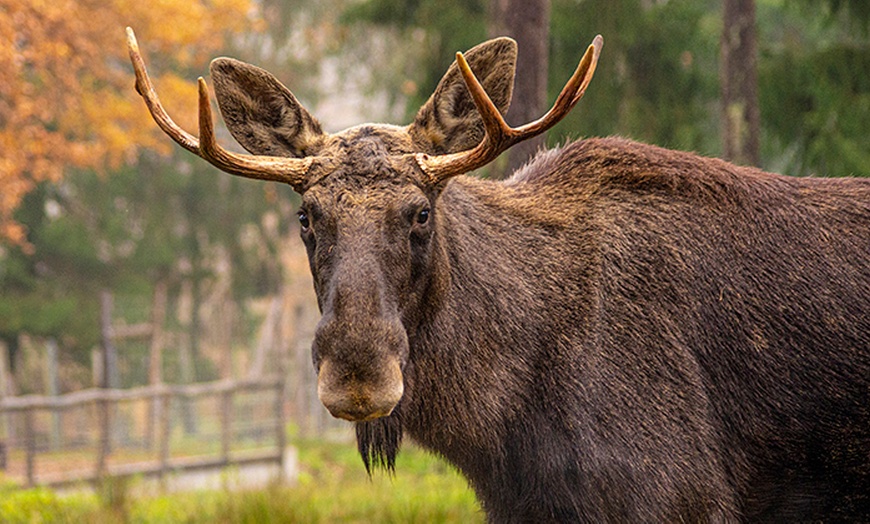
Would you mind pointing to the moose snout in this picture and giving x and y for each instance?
(347, 395)
(359, 348)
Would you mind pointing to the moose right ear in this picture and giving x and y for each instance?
(449, 122)
(260, 113)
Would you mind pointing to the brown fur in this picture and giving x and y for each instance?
(618, 333)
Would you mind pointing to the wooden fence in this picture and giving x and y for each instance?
(156, 430)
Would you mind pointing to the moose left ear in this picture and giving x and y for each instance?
(448, 122)
(261, 114)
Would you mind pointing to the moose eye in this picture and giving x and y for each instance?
(303, 220)
(423, 216)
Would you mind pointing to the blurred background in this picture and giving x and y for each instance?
(126, 262)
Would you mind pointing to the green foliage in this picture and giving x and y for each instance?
(814, 94)
(50, 292)
(44, 506)
(819, 103)
(853, 13)
(656, 80)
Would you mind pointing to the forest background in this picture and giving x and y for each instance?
(96, 202)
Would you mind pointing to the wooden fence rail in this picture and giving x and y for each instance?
(160, 398)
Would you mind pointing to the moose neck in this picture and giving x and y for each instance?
(486, 327)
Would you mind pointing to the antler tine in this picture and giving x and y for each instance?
(292, 171)
(493, 123)
(499, 136)
(146, 89)
(570, 94)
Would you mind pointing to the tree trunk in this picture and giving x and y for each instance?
(739, 83)
(527, 22)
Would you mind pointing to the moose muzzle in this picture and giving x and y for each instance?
(349, 396)
(359, 365)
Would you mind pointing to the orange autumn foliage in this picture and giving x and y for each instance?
(66, 85)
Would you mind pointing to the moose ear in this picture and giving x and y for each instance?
(449, 122)
(262, 114)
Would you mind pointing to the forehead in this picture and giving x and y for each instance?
(366, 166)
(345, 194)
(383, 139)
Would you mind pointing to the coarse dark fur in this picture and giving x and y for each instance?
(617, 333)
(712, 362)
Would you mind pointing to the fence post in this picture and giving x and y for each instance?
(165, 433)
(110, 379)
(302, 370)
(155, 358)
(7, 426)
(30, 444)
(52, 390)
(104, 447)
(280, 430)
(226, 423)
(187, 319)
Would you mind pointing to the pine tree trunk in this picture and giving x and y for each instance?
(739, 83)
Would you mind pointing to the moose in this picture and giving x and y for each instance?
(616, 333)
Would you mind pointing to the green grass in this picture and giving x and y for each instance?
(332, 487)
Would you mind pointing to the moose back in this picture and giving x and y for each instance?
(616, 333)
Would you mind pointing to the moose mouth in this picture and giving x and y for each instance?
(348, 397)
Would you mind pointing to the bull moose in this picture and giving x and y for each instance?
(616, 333)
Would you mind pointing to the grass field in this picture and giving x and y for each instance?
(332, 487)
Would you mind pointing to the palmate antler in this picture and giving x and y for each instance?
(292, 171)
(499, 135)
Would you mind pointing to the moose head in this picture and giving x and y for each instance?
(369, 216)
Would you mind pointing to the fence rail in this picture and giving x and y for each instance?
(22, 433)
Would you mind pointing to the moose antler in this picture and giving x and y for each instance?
(499, 136)
(292, 171)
